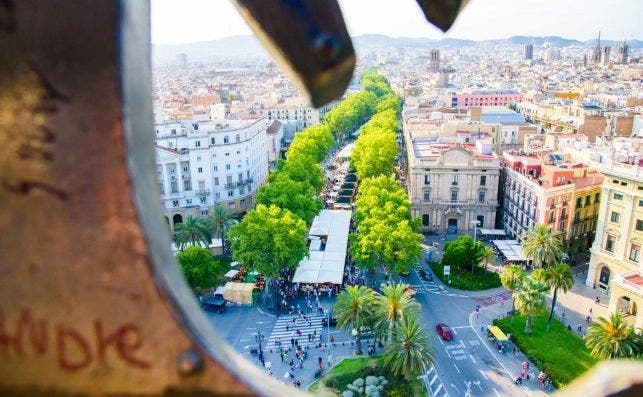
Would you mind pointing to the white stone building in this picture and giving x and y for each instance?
(203, 163)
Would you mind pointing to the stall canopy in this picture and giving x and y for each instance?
(327, 255)
(238, 292)
(492, 232)
(231, 273)
(511, 249)
(346, 151)
(497, 333)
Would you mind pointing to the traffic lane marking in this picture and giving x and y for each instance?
(483, 375)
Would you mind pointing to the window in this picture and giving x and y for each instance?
(242, 202)
(579, 202)
(614, 217)
(481, 197)
(577, 216)
(639, 225)
(230, 193)
(597, 198)
(200, 170)
(640, 203)
(203, 200)
(198, 158)
(483, 180)
(215, 168)
(588, 200)
(454, 195)
(480, 219)
(427, 195)
(425, 220)
(173, 131)
(427, 179)
(226, 139)
(197, 143)
(212, 141)
(216, 181)
(609, 243)
(454, 181)
(227, 154)
(635, 252)
(186, 168)
(204, 212)
(618, 196)
(174, 188)
(188, 202)
(175, 203)
(187, 185)
(551, 217)
(228, 166)
(237, 138)
(231, 206)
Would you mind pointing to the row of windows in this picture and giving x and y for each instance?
(588, 200)
(188, 202)
(455, 179)
(482, 195)
(634, 253)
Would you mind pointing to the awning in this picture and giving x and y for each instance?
(238, 292)
(231, 273)
(234, 264)
(497, 333)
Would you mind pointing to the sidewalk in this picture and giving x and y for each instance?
(510, 362)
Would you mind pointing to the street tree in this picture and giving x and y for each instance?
(374, 154)
(613, 338)
(300, 198)
(389, 102)
(530, 300)
(191, 231)
(557, 277)
(198, 267)
(511, 277)
(542, 246)
(353, 310)
(486, 255)
(218, 224)
(408, 353)
(394, 304)
(302, 169)
(268, 240)
(460, 253)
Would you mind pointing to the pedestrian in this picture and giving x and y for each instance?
(330, 360)
(282, 356)
(580, 328)
(292, 342)
(569, 327)
(598, 300)
(588, 319)
(310, 337)
(319, 360)
(590, 311)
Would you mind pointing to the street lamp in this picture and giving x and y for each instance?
(475, 230)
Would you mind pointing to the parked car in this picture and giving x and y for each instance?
(213, 303)
(366, 332)
(424, 275)
(444, 331)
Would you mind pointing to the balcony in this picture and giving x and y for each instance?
(238, 184)
(202, 192)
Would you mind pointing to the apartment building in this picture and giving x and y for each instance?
(203, 163)
(616, 268)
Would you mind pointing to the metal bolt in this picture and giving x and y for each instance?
(189, 362)
(326, 45)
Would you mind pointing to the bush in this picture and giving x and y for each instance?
(198, 267)
(480, 279)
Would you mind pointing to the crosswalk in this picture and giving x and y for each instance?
(433, 383)
(284, 330)
(432, 287)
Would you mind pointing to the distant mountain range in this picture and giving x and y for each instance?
(240, 48)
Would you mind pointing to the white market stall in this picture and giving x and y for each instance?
(511, 249)
(327, 252)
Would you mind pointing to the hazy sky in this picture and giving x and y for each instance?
(181, 21)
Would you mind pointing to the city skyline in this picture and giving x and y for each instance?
(616, 19)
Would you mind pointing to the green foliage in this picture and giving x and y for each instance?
(389, 102)
(560, 352)
(219, 223)
(269, 239)
(460, 254)
(557, 277)
(376, 148)
(297, 197)
(529, 299)
(613, 338)
(347, 370)
(351, 112)
(391, 307)
(408, 352)
(542, 245)
(313, 142)
(479, 280)
(511, 277)
(199, 268)
(376, 83)
(353, 309)
(191, 231)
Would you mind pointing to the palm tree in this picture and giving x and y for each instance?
(542, 246)
(408, 353)
(530, 300)
(191, 230)
(511, 277)
(613, 338)
(395, 303)
(353, 309)
(219, 223)
(558, 276)
(486, 255)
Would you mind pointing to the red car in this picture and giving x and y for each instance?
(444, 331)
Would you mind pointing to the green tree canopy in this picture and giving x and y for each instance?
(511, 278)
(392, 306)
(269, 239)
(219, 223)
(557, 276)
(461, 253)
(374, 154)
(409, 354)
(191, 231)
(542, 246)
(198, 267)
(304, 169)
(530, 300)
(300, 198)
(613, 338)
(353, 310)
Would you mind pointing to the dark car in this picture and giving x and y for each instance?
(333, 320)
(424, 275)
(444, 331)
(213, 303)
